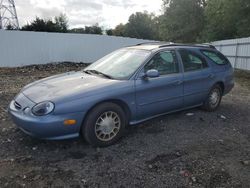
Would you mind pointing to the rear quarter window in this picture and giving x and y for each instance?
(216, 57)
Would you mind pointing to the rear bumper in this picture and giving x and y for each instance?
(228, 88)
(49, 127)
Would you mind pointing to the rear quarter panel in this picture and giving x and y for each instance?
(222, 73)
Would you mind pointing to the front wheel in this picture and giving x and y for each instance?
(214, 99)
(104, 125)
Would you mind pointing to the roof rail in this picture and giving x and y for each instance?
(193, 45)
(210, 45)
(145, 43)
(169, 44)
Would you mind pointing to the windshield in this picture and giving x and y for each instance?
(120, 64)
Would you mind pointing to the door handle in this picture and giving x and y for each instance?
(179, 82)
(211, 76)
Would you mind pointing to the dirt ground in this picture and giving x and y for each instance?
(200, 149)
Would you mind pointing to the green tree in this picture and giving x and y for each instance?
(141, 25)
(109, 32)
(10, 27)
(243, 22)
(182, 21)
(226, 19)
(77, 30)
(61, 22)
(40, 25)
(59, 25)
(95, 29)
(119, 30)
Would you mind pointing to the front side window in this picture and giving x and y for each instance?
(215, 57)
(165, 62)
(192, 61)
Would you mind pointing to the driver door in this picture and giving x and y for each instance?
(162, 94)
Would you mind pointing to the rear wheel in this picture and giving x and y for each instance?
(214, 99)
(104, 125)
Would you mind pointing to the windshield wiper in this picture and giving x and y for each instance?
(87, 71)
(98, 73)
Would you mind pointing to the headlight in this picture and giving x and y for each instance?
(43, 108)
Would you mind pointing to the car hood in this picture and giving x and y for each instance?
(67, 86)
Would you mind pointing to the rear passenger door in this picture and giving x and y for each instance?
(198, 77)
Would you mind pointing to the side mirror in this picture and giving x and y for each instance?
(152, 73)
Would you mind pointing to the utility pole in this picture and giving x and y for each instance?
(8, 15)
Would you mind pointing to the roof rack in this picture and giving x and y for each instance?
(169, 44)
(193, 45)
(145, 43)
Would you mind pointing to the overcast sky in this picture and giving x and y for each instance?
(107, 13)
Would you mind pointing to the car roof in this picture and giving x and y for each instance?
(154, 46)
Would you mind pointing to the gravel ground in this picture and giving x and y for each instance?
(186, 149)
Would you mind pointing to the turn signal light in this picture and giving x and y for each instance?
(70, 122)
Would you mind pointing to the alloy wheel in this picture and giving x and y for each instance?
(107, 126)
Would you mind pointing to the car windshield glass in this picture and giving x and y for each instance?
(120, 64)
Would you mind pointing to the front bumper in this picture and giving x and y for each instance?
(49, 127)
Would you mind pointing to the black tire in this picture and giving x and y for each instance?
(89, 129)
(209, 104)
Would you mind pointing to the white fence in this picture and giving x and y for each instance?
(237, 51)
(18, 48)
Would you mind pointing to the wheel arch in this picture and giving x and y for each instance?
(221, 84)
(118, 102)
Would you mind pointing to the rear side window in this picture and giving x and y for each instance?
(192, 61)
(216, 57)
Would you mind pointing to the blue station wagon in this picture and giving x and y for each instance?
(126, 87)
